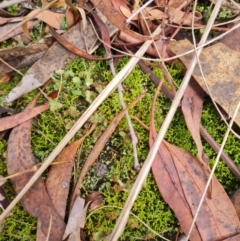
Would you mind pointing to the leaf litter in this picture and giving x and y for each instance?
(184, 174)
(181, 179)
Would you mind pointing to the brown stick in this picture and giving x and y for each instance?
(208, 138)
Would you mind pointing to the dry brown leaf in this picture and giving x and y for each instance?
(36, 201)
(192, 104)
(59, 177)
(49, 17)
(14, 120)
(126, 12)
(236, 201)
(122, 7)
(220, 66)
(95, 199)
(181, 179)
(70, 19)
(58, 180)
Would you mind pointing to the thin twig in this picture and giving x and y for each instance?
(129, 122)
(92, 108)
(122, 220)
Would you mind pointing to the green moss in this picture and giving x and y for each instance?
(77, 85)
(14, 9)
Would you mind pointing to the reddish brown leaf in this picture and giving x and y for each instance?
(169, 185)
(58, 180)
(104, 33)
(192, 104)
(217, 218)
(236, 202)
(181, 180)
(122, 7)
(95, 199)
(36, 201)
(160, 43)
(14, 120)
(53, 94)
(117, 19)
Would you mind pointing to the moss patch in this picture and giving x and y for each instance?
(77, 86)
